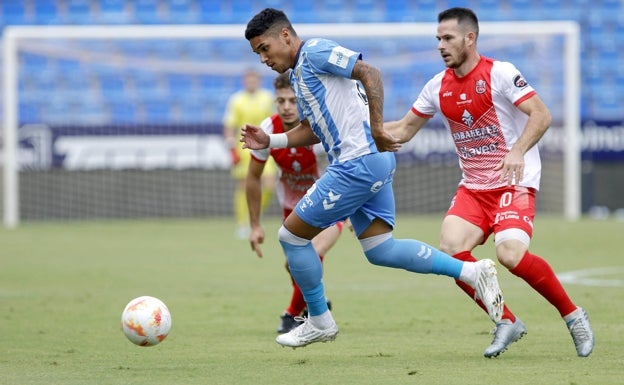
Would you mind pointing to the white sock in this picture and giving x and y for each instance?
(322, 321)
(469, 274)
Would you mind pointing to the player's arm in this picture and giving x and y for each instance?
(370, 77)
(255, 138)
(406, 128)
(512, 166)
(253, 190)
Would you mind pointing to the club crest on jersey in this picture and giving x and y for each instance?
(467, 118)
(519, 81)
(296, 166)
(480, 87)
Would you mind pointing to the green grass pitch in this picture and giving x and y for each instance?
(63, 287)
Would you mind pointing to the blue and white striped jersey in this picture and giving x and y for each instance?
(335, 105)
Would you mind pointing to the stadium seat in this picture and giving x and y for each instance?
(241, 11)
(45, 12)
(147, 12)
(121, 112)
(28, 113)
(190, 110)
(113, 12)
(180, 84)
(13, 12)
(77, 12)
(210, 11)
(112, 87)
(182, 12)
(156, 112)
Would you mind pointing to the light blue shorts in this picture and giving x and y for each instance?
(360, 189)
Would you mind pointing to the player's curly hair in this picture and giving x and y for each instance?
(269, 19)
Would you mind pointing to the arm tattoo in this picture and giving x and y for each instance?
(371, 80)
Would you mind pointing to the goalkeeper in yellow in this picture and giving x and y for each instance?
(251, 105)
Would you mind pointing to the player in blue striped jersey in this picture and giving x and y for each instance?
(340, 103)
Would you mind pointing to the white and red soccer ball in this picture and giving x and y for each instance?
(146, 321)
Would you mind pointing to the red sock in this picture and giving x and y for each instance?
(538, 273)
(297, 303)
(467, 257)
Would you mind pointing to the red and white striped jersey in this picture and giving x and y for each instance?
(297, 166)
(480, 111)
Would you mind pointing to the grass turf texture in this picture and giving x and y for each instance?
(63, 287)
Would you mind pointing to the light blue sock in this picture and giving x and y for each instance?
(306, 269)
(415, 256)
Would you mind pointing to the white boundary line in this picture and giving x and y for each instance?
(594, 277)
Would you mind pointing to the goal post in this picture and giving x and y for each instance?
(390, 46)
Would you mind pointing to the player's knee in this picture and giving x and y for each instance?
(377, 249)
(510, 250)
(286, 237)
(452, 245)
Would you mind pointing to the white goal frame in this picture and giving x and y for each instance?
(571, 105)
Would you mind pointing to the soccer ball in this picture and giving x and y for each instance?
(146, 321)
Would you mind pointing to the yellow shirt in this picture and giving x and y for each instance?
(244, 107)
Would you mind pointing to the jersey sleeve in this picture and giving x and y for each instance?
(330, 58)
(426, 104)
(263, 154)
(510, 81)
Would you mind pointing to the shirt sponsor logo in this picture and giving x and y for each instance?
(340, 57)
(463, 99)
(519, 81)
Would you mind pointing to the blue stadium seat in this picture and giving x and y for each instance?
(183, 12)
(157, 111)
(302, 12)
(180, 84)
(122, 111)
(112, 87)
(114, 12)
(368, 11)
(45, 12)
(147, 12)
(28, 113)
(77, 12)
(191, 110)
(242, 11)
(13, 12)
(210, 11)
(33, 62)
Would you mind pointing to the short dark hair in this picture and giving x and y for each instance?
(462, 15)
(282, 81)
(265, 20)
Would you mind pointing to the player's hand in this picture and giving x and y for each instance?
(511, 167)
(234, 156)
(256, 238)
(386, 141)
(254, 137)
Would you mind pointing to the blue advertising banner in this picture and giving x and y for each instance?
(202, 146)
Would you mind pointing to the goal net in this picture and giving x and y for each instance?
(125, 121)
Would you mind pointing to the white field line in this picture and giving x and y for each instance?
(600, 276)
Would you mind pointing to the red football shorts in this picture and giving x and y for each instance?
(511, 207)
